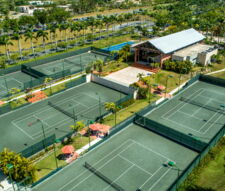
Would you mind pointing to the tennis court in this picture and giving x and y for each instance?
(198, 111)
(13, 80)
(133, 158)
(26, 125)
(74, 63)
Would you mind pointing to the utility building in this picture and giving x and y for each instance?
(184, 45)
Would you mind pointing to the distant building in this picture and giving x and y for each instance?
(26, 9)
(66, 7)
(184, 45)
(38, 3)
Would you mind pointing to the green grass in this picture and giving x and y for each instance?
(113, 67)
(48, 164)
(213, 175)
(173, 82)
(219, 75)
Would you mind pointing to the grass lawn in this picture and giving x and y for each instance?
(219, 75)
(213, 175)
(173, 82)
(113, 67)
(47, 164)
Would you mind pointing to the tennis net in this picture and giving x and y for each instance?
(103, 177)
(202, 105)
(61, 110)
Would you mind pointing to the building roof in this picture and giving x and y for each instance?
(194, 50)
(171, 43)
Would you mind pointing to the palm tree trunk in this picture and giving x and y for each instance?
(44, 45)
(20, 49)
(32, 47)
(7, 52)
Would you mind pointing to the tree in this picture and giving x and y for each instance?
(112, 107)
(5, 41)
(52, 28)
(29, 35)
(14, 91)
(79, 125)
(98, 64)
(22, 167)
(48, 80)
(140, 76)
(44, 35)
(17, 36)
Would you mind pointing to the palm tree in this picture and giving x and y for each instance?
(44, 35)
(111, 106)
(79, 125)
(140, 76)
(5, 41)
(52, 29)
(46, 81)
(29, 35)
(17, 36)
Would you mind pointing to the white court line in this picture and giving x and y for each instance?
(18, 81)
(185, 104)
(212, 123)
(200, 119)
(100, 167)
(177, 106)
(119, 176)
(51, 127)
(159, 179)
(23, 131)
(151, 176)
(209, 120)
(72, 180)
(196, 111)
(152, 151)
(179, 124)
(41, 120)
(135, 165)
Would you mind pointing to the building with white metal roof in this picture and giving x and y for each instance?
(162, 48)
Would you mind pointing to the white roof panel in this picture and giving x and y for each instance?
(176, 41)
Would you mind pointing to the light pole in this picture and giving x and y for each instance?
(185, 70)
(149, 87)
(55, 142)
(43, 132)
(89, 121)
(10, 168)
(169, 76)
(99, 105)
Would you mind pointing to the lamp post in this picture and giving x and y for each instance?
(149, 87)
(55, 142)
(10, 168)
(169, 76)
(99, 105)
(89, 134)
(43, 132)
(185, 70)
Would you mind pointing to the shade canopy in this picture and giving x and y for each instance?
(68, 149)
(99, 127)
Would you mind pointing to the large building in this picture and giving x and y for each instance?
(184, 45)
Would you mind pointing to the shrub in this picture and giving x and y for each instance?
(142, 93)
(183, 67)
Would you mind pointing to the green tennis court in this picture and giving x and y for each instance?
(131, 159)
(74, 63)
(23, 127)
(198, 111)
(13, 80)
